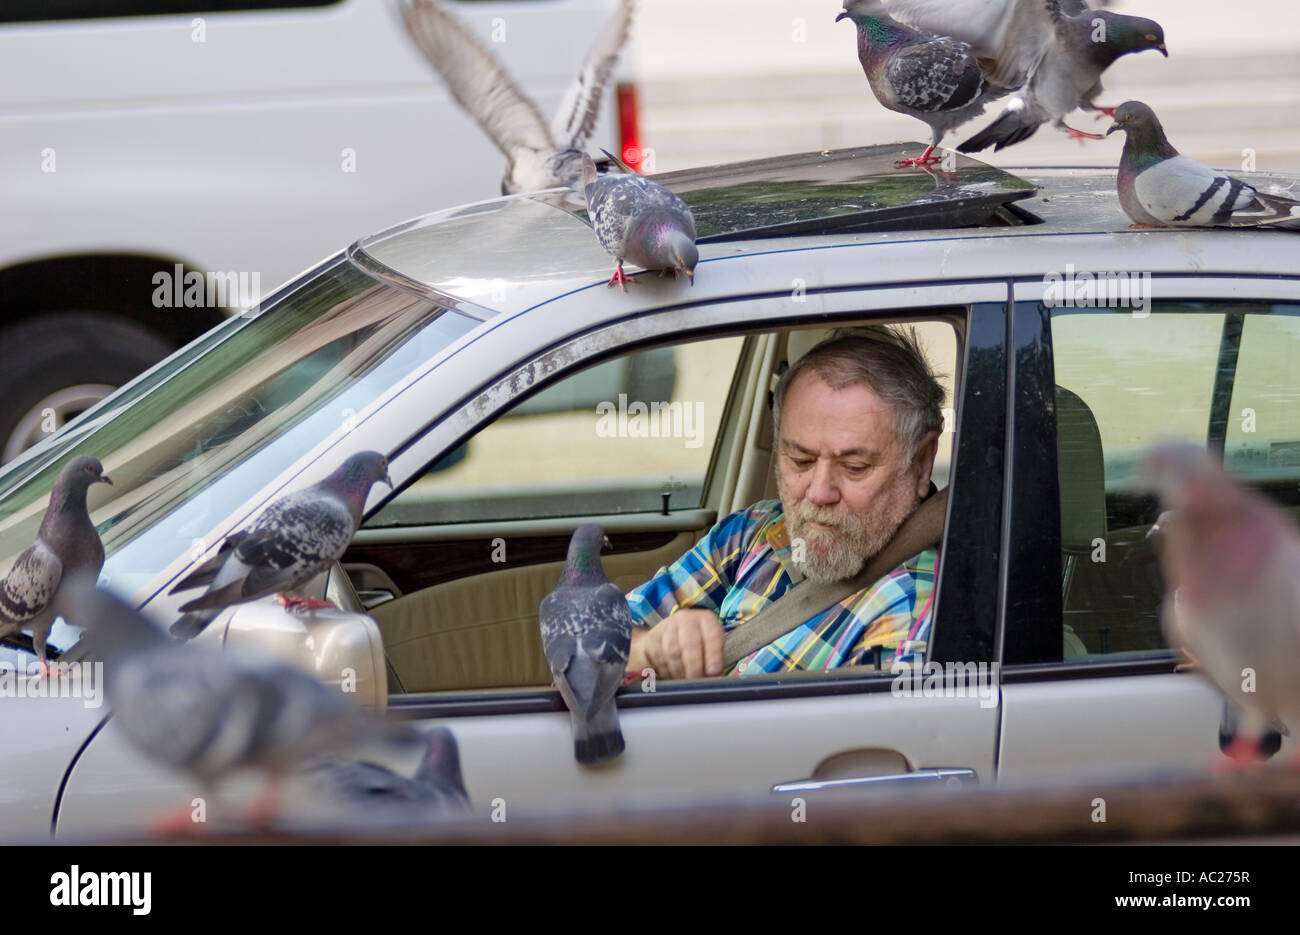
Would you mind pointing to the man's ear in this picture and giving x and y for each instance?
(923, 463)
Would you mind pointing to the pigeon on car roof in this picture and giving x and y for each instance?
(1158, 187)
(637, 219)
(1231, 562)
(67, 544)
(936, 79)
(1081, 43)
(586, 634)
(295, 539)
(538, 156)
(208, 712)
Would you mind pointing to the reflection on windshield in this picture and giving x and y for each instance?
(222, 419)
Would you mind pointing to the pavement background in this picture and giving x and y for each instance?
(738, 79)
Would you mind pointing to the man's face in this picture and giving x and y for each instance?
(844, 480)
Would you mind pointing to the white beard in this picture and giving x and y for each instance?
(840, 552)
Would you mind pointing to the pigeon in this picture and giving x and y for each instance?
(638, 219)
(66, 544)
(1081, 45)
(537, 156)
(1159, 188)
(295, 539)
(208, 712)
(436, 788)
(936, 79)
(586, 635)
(1231, 563)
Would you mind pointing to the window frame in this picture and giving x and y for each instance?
(969, 624)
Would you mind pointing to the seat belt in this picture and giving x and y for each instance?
(920, 531)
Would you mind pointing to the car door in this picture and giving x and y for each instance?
(1089, 683)
(727, 737)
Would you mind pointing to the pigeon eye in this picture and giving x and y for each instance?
(1150, 38)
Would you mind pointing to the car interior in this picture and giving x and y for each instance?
(458, 620)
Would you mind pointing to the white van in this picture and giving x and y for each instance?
(164, 161)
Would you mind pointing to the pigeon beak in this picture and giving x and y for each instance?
(1113, 128)
(387, 480)
(843, 14)
(104, 478)
(1162, 50)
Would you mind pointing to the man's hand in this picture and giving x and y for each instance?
(686, 645)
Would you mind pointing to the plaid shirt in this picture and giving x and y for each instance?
(743, 564)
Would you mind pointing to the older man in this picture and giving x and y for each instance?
(857, 426)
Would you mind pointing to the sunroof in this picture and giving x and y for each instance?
(845, 190)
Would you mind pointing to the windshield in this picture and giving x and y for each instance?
(210, 427)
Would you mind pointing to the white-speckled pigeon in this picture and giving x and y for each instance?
(586, 634)
(639, 220)
(295, 539)
(66, 544)
(936, 79)
(537, 156)
(436, 788)
(1231, 562)
(1159, 188)
(208, 712)
(1082, 44)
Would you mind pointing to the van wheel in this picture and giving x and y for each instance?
(58, 365)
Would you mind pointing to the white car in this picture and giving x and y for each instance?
(162, 165)
(517, 396)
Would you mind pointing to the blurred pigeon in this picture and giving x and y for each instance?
(639, 220)
(295, 539)
(1081, 45)
(537, 156)
(586, 634)
(66, 544)
(935, 79)
(1159, 188)
(436, 788)
(1231, 562)
(207, 712)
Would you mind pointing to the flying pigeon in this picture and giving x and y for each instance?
(936, 79)
(436, 788)
(586, 634)
(295, 539)
(639, 220)
(66, 544)
(537, 156)
(1159, 188)
(1081, 45)
(208, 712)
(1231, 563)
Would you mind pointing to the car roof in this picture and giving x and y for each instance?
(509, 255)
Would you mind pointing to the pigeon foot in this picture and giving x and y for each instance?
(1080, 135)
(619, 277)
(1108, 111)
(296, 604)
(1242, 754)
(921, 160)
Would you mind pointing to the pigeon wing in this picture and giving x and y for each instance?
(293, 541)
(30, 585)
(477, 80)
(1010, 34)
(1180, 191)
(576, 117)
(936, 75)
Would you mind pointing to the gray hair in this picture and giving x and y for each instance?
(891, 362)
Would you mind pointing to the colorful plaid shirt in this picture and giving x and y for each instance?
(743, 564)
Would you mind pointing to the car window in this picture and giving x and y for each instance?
(1221, 374)
(630, 435)
(467, 614)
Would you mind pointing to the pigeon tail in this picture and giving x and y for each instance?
(1013, 126)
(192, 624)
(597, 748)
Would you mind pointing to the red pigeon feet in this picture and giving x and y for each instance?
(1108, 111)
(619, 277)
(296, 604)
(1241, 755)
(1080, 135)
(923, 159)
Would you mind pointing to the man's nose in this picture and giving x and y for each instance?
(821, 488)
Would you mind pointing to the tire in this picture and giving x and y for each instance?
(42, 356)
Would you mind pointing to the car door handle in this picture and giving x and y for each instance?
(946, 775)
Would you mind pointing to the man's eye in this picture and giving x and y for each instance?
(801, 462)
